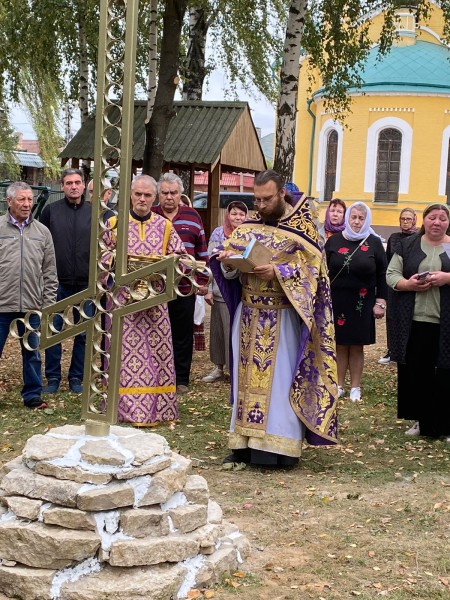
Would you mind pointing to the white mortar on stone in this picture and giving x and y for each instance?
(107, 528)
(193, 566)
(88, 567)
(140, 486)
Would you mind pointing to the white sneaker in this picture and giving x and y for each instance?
(385, 360)
(215, 375)
(414, 430)
(355, 394)
(341, 392)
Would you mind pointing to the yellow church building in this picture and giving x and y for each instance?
(393, 149)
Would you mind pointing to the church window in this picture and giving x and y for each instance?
(330, 165)
(388, 165)
(329, 160)
(447, 185)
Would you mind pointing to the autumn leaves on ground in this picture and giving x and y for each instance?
(369, 518)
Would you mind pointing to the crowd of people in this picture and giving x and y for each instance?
(290, 332)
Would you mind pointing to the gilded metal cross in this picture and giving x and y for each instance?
(114, 289)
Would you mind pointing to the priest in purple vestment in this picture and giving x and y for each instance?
(147, 373)
(283, 371)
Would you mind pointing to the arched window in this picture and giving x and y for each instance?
(388, 165)
(330, 165)
(447, 184)
(329, 159)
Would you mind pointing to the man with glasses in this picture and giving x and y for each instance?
(408, 221)
(188, 224)
(283, 361)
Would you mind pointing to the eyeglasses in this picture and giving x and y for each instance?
(264, 201)
(406, 219)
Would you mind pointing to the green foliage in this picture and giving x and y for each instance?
(337, 40)
(40, 99)
(9, 169)
(246, 39)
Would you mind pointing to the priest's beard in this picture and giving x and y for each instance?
(274, 213)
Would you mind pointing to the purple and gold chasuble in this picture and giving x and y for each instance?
(147, 375)
(284, 378)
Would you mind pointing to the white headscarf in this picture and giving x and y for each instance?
(366, 229)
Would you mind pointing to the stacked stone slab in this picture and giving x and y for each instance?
(118, 517)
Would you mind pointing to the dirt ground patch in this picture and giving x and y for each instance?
(369, 518)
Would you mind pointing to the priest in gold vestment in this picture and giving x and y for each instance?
(283, 360)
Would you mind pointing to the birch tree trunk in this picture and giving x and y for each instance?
(287, 103)
(83, 87)
(195, 71)
(158, 126)
(152, 58)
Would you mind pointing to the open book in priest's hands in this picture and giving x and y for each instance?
(255, 255)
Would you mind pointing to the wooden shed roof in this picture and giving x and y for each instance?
(200, 135)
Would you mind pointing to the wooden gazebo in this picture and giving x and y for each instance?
(211, 136)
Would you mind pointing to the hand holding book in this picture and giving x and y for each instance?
(256, 255)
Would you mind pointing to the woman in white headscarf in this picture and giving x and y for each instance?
(357, 267)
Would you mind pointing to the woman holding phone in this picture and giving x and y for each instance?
(419, 332)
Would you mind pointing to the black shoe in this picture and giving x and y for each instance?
(76, 386)
(52, 386)
(35, 403)
(241, 455)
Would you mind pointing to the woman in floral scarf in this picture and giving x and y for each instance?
(334, 219)
(357, 267)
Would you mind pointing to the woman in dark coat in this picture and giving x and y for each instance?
(408, 221)
(419, 334)
(357, 267)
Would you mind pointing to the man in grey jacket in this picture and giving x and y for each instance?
(28, 280)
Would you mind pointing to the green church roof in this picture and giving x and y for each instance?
(422, 68)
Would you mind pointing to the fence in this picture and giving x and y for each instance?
(42, 195)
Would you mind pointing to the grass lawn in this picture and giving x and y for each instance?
(369, 518)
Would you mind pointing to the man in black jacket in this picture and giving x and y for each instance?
(69, 221)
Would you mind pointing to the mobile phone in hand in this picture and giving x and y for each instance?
(423, 275)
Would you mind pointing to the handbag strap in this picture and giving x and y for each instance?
(348, 259)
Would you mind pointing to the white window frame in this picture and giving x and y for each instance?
(373, 134)
(444, 160)
(322, 156)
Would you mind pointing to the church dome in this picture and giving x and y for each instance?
(422, 67)
(419, 68)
